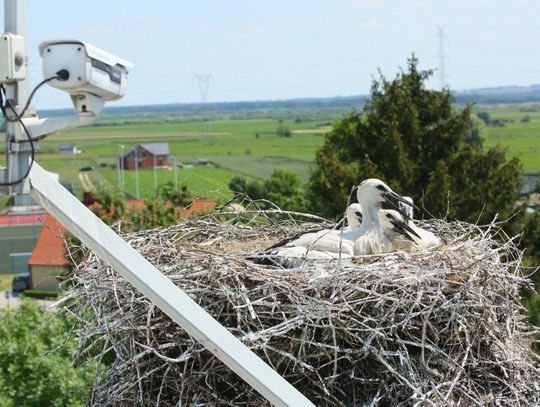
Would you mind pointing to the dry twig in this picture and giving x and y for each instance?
(437, 328)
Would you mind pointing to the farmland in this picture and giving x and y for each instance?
(247, 147)
(520, 132)
(242, 145)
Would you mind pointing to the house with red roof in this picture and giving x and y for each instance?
(48, 258)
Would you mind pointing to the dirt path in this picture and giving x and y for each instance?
(86, 182)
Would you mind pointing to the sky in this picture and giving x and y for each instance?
(283, 49)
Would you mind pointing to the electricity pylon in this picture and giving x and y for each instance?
(204, 82)
(442, 57)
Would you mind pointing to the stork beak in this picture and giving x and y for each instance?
(353, 197)
(399, 198)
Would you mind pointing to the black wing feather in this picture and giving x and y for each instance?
(402, 228)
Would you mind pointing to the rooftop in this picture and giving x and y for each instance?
(154, 148)
(49, 249)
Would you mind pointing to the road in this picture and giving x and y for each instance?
(14, 301)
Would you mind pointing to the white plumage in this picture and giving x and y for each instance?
(323, 244)
(370, 230)
(423, 238)
(354, 216)
(369, 237)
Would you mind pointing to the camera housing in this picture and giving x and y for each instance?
(94, 76)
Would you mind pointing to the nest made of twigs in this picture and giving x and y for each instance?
(443, 327)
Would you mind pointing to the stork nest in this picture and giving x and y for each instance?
(433, 328)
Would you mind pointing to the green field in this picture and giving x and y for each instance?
(521, 138)
(248, 147)
(203, 182)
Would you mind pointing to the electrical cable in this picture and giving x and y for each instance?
(25, 108)
(62, 75)
(32, 149)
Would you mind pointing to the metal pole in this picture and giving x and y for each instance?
(155, 173)
(175, 174)
(174, 302)
(17, 154)
(118, 176)
(137, 172)
(15, 22)
(122, 174)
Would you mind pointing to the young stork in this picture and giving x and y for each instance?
(364, 233)
(397, 234)
(407, 210)
(369, 237)
(362, 236)
(331, 240)
(321, 244)
(352, 219)
(422, 238)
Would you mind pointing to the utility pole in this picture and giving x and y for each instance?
(18, 148)
(203, 82)
(442, 57)
(122, 173)
(155, 173)
(137, 172)
(120, 167)
(175, 174)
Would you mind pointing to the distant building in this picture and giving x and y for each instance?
(68, 149)
(48, 260)
(148, 155)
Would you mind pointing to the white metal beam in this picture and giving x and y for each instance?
(112, 249)
(40, 127)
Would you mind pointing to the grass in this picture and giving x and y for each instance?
(522, 139)
(261, 166)
(248, 147)
(208, 182)
(40, 294)
(6, 281)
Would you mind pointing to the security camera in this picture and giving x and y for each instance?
(90, 75)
